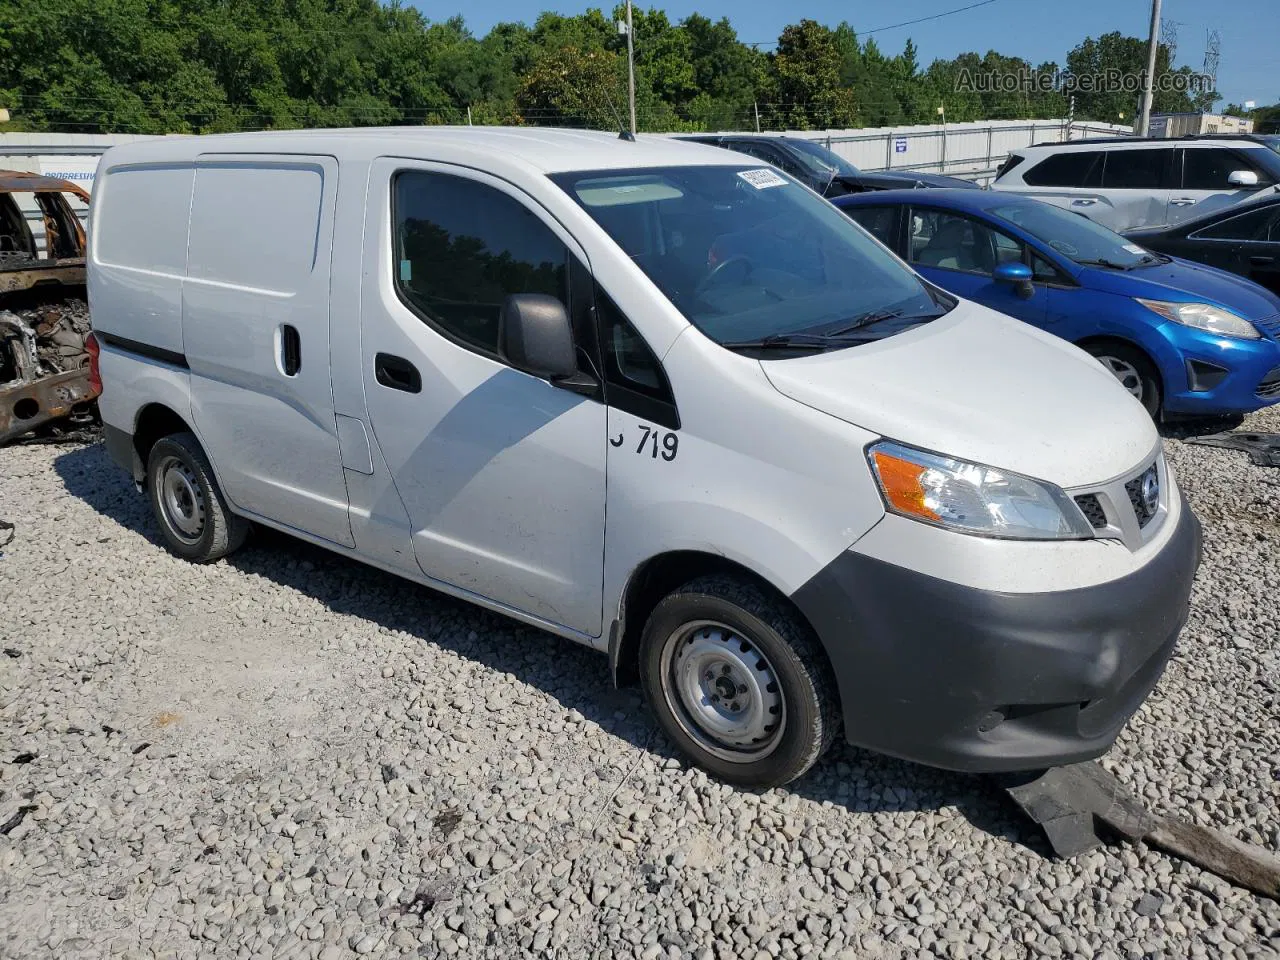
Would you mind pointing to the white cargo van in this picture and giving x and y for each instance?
(659, 399)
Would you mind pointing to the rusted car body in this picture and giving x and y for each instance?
(44, 375)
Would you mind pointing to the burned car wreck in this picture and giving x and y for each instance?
(44, 317)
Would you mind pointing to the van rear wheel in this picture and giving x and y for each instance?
(738, 681)
(193, 516)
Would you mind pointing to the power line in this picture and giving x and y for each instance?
(891, 26)
(936, 16)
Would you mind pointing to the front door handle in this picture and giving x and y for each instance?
(1183, 201)
(1261, 261)
(1083, 203)
(290, 350)
(397, 373)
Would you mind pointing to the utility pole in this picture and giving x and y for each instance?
(1144, 121)
(631, 70)
(942, 112)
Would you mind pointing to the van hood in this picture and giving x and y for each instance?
(982, 387)
(1184, 281)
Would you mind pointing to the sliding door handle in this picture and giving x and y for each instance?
(290, 350)
(397, 373)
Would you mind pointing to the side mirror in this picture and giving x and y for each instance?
(1017, 275)
(1242, 178)
(534, 335)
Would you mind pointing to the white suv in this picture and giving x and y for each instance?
(1133, 183)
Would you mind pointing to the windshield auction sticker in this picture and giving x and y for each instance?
(762, 179)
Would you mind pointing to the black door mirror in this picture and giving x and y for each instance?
(534, 335)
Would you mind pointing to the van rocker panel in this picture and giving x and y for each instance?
(975, 680)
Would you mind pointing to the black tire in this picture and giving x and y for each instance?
(193, 516)
(1116, 357)
(694, 623)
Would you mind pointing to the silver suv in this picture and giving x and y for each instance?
(1128, 183)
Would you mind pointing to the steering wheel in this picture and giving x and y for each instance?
(718, 272)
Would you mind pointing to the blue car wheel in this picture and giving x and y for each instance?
(1135, 372)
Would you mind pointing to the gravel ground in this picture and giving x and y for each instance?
(287, 754)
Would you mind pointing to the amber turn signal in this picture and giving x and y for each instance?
(901, 481)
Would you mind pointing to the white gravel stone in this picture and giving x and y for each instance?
(288, 754)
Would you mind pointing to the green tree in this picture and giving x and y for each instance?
(804, 80)
(572, 87)
(726, 74)
(1118, 60)
(200, 66)
(664, 56)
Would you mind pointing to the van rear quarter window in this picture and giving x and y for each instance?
(256, 224)
(140, 217)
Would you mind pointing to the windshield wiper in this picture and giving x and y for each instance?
(866, 320)
(793, 341)
(881, 316)
(840, 336)
(1156, 258)
(1103, 262)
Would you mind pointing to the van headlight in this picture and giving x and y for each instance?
(973, 498)
(1204, 316)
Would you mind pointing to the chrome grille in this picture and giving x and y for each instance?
(1144, 494)
(1091, 507)
(1131, 508)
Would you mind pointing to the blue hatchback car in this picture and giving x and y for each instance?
(1184, 338)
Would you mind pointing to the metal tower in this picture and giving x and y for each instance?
(1169, 37)
(1212, 53)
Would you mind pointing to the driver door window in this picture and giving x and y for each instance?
(462, 248)
(951, 242)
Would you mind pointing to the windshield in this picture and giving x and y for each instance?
(1272, 142)
(747, 253)
(821, 160)
(1074, 236)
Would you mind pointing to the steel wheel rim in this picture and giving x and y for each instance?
(1126, 373)
(723, 691)
(181, 499)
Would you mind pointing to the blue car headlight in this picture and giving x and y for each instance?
(1204, 316)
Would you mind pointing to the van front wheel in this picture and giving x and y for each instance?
(193, 516)
(738, 681)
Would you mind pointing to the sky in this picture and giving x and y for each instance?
(1036, 30)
